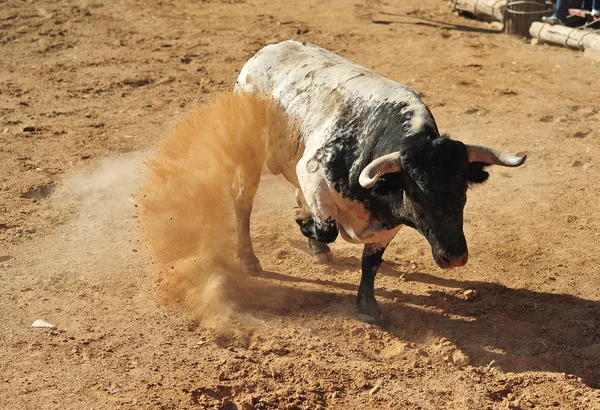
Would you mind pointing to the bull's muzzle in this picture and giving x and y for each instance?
(452, 260)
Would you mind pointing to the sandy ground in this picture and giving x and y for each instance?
(88, 87)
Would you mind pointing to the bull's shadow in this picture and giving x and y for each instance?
(519, 329)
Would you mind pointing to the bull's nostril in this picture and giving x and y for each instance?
(453, 260)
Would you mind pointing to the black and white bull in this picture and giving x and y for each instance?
(372, 160)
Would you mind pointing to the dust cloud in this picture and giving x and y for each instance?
(186, 204)
(105, 195)
(103, 237)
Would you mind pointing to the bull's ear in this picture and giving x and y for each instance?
(477, 173)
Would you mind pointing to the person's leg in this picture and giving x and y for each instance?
(562, 9)
(595, 8)
(560, 14)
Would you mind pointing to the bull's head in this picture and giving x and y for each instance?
(432, 180)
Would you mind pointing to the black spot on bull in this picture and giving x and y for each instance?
(362, 133)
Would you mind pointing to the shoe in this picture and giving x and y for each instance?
(552, 20)
(595, 13)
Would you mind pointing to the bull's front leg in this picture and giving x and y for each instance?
(366, 306)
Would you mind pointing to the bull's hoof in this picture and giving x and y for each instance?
(319, 250)
(369, 312)
(372, 320)
(252, 269)
(250, 265)
(323, 258)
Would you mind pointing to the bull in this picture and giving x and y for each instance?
(369, 159)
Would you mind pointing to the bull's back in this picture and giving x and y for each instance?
(303, 79)
(315, 85)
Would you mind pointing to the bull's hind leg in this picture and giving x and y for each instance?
(304, 219)
(245, 185)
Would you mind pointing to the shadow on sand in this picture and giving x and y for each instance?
(522, 330)
(421, 21)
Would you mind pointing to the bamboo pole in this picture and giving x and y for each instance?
(565, 36)
(485, 9)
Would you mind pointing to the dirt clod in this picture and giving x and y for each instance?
(460, 359)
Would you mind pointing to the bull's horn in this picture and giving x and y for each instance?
(492, 156)
(382, 165)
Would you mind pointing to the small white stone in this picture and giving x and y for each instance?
(470, 294)
(41, 323)
(376, 388)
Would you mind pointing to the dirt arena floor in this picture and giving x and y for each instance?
(87, 88)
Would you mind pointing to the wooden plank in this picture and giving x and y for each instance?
(484, 9)
(566, 36)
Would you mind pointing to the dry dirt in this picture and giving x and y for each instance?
(88, 87)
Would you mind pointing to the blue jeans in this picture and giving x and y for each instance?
(562, 7)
